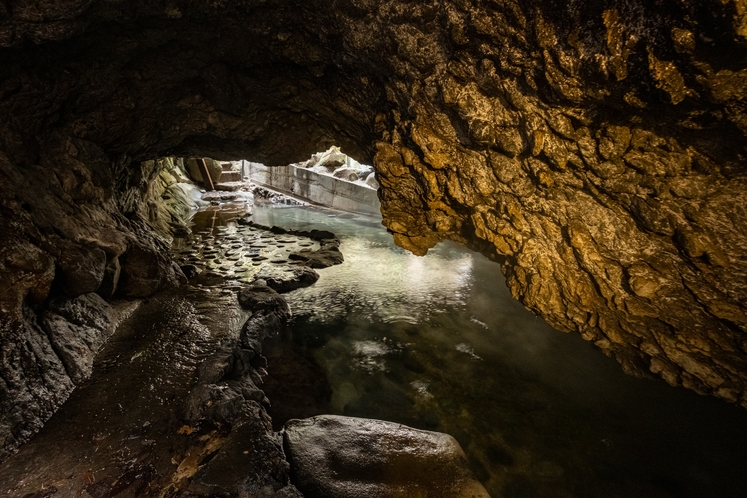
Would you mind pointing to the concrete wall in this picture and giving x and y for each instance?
(316, 188)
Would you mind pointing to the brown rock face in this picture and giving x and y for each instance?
(345, 457)
(597, 150)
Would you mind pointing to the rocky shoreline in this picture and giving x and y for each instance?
(179, 411)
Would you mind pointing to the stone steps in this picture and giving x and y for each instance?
(229, 176)
(229, 186)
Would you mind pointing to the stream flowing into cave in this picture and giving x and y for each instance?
(438, 343)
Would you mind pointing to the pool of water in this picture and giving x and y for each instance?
(438, 343)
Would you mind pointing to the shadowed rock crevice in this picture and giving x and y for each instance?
(595, 149)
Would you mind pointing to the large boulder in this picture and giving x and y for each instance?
(347, 174)
(214, 168)
(82, 267)
(343, 457)
(145, 271)
(77, 328)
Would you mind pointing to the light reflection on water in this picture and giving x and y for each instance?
(386, 283)
(438, 343)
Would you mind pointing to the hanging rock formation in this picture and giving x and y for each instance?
(597, 150)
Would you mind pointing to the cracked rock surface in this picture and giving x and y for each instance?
(595, 149)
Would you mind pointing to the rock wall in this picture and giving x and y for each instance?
(317, 188)
(601, 159)
(72, 235)
(597, 150)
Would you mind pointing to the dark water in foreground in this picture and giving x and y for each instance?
(438, 343)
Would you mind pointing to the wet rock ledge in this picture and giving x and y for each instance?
(243, 455)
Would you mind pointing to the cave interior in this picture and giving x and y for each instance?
(596, 151)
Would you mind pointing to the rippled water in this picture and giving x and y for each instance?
(438, 343)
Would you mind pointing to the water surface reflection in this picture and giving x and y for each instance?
(438, 343)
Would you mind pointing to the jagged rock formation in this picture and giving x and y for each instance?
(596, 149)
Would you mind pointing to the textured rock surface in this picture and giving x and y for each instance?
(173, 409)
(45, 356)
(249, 460)
(595, 149)
(344, 457)
(286, 279)
(69, 230)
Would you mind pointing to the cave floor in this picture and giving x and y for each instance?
(119, 432)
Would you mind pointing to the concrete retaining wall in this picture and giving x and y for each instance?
(313, 187)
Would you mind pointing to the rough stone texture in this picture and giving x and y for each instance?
(249, 459)
(595, 149)
(270, 312)
(286, 279)
(258, 296)
(76, 330)
(68, 230)
(44, 357)
(344, 457)
(317, 188)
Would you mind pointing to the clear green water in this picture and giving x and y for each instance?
(438, 343)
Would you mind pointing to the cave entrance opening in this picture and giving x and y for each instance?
(329, 178)
(438, 343)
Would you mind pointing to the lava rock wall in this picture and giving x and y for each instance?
(596, 150)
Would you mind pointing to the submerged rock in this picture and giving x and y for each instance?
(343, 457)
(285, 279)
